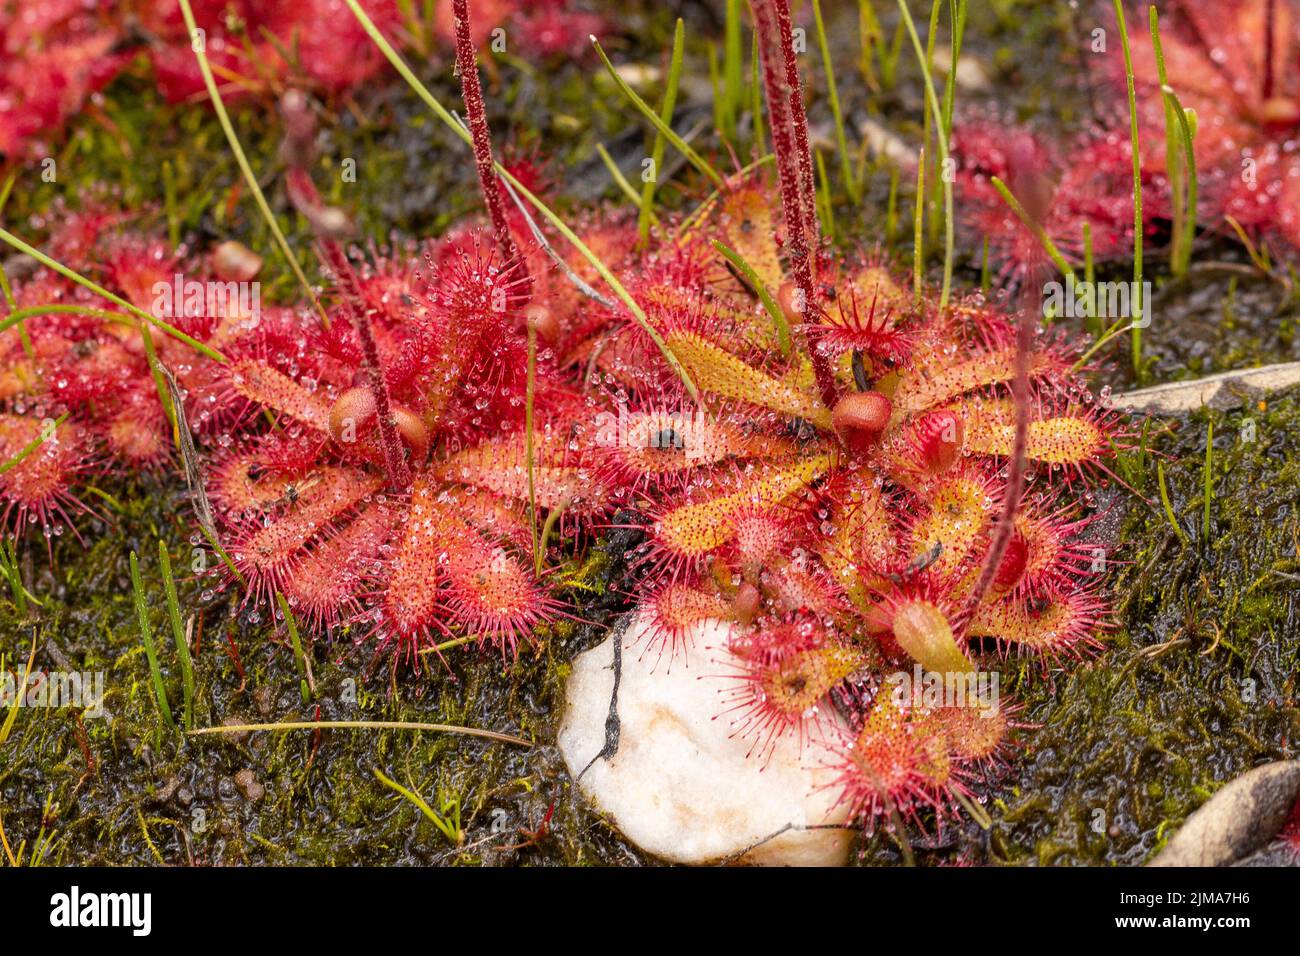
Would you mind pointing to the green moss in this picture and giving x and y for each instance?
(322, 803)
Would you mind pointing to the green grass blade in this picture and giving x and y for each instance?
(23, 247)
(12, 716)
(221, 553)
(1119, 328)
(733, 72)
(13, 575)
(178, 634)
(1137, 189)
(45, 435)
(1180, 134)
(616, 174)
(918, 230)
(957, 14)
(448, 830)
(755, 98)
(871, 41)
(1207, 485)
(666, 108)
(941, 140)
(683, 147)
(1169, 509)
(833, 98)
(764, 295)
(1043, 238)
(299, 656)
(146, 634)
(822, 197)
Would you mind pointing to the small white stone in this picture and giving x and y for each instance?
(681, 785)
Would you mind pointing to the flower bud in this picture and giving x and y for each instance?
(860, 417)
(354, 407)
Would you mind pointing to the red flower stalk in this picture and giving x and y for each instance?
(399, 475)
(329, 223)
(1035, 197)
(786, 109)
(789, 125)
(1270, 25)
(472, 92)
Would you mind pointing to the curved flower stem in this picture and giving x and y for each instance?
(560, 225)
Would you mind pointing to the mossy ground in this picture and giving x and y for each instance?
(1197, 681)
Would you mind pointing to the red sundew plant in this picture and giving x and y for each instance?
(310, 509)
(53, 55)
(858, 480)
(537, 30)
(402, 485)
(846, 542)
(1234, 62)
(58, 52)
(397, 481)
(258, 47)
(847, 493)
(78, 391)
(318, 510)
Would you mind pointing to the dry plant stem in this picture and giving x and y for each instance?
(472, 92)
(789, 126)
(399, 475)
